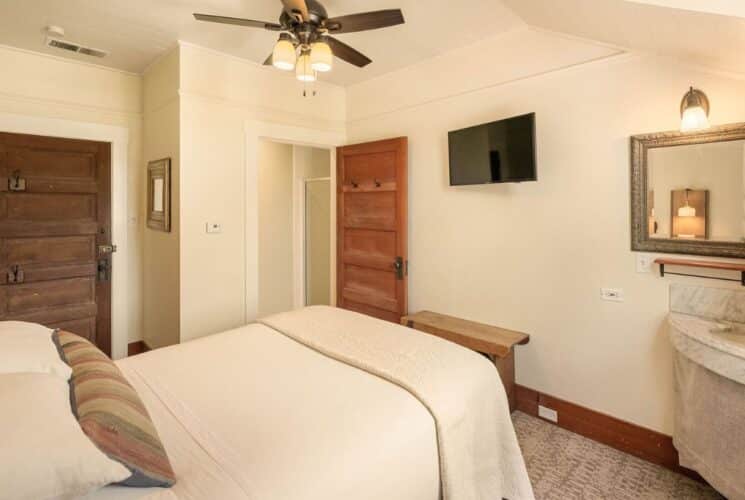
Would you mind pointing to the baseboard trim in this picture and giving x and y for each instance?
(633, 439)
(137, 347)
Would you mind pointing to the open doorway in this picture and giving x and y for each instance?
(295, 247)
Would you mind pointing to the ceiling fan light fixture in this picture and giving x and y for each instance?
(321, 56)
(303, 70)
(284, 56)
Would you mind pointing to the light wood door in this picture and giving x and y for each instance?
(55, 233)
(372, 214)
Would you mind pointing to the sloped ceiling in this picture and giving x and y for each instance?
(711, 40)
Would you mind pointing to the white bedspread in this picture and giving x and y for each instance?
(479, 455)
(252, 414)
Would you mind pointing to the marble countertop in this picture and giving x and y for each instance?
(701, 340)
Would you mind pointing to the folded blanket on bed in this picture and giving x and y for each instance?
(479, 455)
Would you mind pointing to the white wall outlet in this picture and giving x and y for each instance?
(612, 294)
(548, 414)
(644, 262)
(214, 227)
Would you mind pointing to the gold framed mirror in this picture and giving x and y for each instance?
(159, 195)
(688, 192)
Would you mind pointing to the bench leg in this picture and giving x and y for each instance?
(506, 368)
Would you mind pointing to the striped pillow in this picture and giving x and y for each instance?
(112, 414)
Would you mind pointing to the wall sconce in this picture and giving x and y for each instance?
(694, 111)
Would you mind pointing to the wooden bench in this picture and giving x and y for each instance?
(494, 342)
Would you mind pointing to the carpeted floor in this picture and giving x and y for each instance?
(566, 466)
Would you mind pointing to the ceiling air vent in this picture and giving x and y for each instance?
(55, 39)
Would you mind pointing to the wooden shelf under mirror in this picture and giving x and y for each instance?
(702, 264)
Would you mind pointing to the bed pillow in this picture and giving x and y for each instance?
(28, 348)
(43, 451)
(112, 414)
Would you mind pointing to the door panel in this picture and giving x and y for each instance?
(54, 250)
(372, 216)
(370, 210)
(369, 248)
(30, 296)
(41, 207)
(55, 212)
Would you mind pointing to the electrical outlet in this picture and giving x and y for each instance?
(612, 294)
(548, 414)
(214, 227)
(644, 262)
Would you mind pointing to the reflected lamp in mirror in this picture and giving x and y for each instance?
(159, 195)
(687, 210)
(689, 207)
(694, 111)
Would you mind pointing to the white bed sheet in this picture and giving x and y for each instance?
(253, 414)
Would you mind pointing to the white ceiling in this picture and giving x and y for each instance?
(136, 32)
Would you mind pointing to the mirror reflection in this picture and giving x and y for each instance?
(696, 192)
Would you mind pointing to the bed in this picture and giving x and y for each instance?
(327, 404)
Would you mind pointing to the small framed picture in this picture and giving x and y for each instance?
(159, 195)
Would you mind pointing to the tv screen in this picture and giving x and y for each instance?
(502, 151)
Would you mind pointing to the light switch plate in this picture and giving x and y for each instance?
(214, 227)
(612, 294)
(644, 262)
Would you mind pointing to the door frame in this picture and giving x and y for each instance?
(254, 131)
(118, 137)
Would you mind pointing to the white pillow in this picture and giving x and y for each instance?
(28, 347)
(44, 452)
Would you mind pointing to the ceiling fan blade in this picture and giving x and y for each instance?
(347, 53)
(269, 60)
(365, 21)
(238, 22)
(297, 8)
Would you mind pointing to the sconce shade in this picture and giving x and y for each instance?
(284, 56)
(321, 57)
(304, 71)
(694, 111)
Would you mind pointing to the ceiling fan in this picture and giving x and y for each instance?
(305, 43)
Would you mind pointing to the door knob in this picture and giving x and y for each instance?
(398, 265)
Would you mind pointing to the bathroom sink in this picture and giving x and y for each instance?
(716, 345)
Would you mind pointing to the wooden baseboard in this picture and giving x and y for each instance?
(646, 444)
(137, 348)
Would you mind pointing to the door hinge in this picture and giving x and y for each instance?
(15, 275)
(16, 182)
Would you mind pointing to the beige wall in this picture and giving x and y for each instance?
(534, 256)
(220, 94)
(41, 86)
(162, 250)
(275, 227)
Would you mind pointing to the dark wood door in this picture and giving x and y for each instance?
(55, 225)
(372, 214)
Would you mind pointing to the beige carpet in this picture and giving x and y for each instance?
(566, 466)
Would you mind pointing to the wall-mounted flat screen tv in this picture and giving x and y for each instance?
(501, 151)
